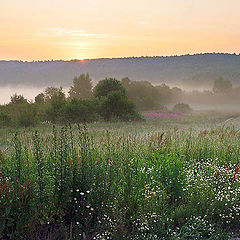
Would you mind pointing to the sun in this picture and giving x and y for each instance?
(81, 59)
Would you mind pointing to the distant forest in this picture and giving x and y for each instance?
(195, 71)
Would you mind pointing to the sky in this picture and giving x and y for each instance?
(83, 29)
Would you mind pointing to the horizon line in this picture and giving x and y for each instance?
(127, 57)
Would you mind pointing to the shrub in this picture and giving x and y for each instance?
(182, 107)
(116, 105)
(28, 117)
(83, 110)
(5, 119)
(55, 110)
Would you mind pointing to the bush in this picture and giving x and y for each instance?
(27, 117)
(116, 105)
(83, 110)
(19, 115)
(5, 119)
(182, 107)
(55, 110)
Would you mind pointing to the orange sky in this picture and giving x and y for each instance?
(77, 29)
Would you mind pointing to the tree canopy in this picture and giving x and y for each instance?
(82, 87)
(104, 87)
(18, 99)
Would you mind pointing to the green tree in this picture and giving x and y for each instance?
(116, 105)
(57, 100)
(144, 94)
(18, 99)
(40, 98)
(81, 110)
(54, 92)
(82, 87)
(221, 85)
(104, 87)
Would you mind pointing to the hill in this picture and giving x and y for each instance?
(199, 70)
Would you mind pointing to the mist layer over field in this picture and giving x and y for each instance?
(28, 92)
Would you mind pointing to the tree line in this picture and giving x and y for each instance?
(109, 100)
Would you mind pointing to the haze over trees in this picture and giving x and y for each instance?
(109, 100)
(193, 71)
(221, 85)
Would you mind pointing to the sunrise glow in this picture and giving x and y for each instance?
(78, 29)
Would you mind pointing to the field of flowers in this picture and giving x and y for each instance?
(78, 182)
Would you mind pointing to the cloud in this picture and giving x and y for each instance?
(73, 45)
(64, 32)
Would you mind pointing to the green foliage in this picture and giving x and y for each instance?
(18, 99)
(149, 97)
(144, 94)
(108, 85)
(77, 183)
(116, 105)
(53, 92)
(197, 228)
(82, 87)
(5, 118)
(139, 187)
(182, 107)
(55, 112)
(27, 117)
(19, 115)
(110, 100)
(82, 110)
(40, 98)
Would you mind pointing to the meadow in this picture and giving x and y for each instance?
(157, 179)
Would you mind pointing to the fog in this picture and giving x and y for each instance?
(27, 92)
(196, 104)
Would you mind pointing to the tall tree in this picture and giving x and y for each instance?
(82, 87)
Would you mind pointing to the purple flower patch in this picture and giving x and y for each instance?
(161, 114)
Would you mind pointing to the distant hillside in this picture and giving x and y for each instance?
(198, 70)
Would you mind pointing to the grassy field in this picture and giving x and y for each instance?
(163, 179)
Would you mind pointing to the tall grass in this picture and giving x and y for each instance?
(74, 183)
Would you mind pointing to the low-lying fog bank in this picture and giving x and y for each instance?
(28, 92)
(198, 100)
